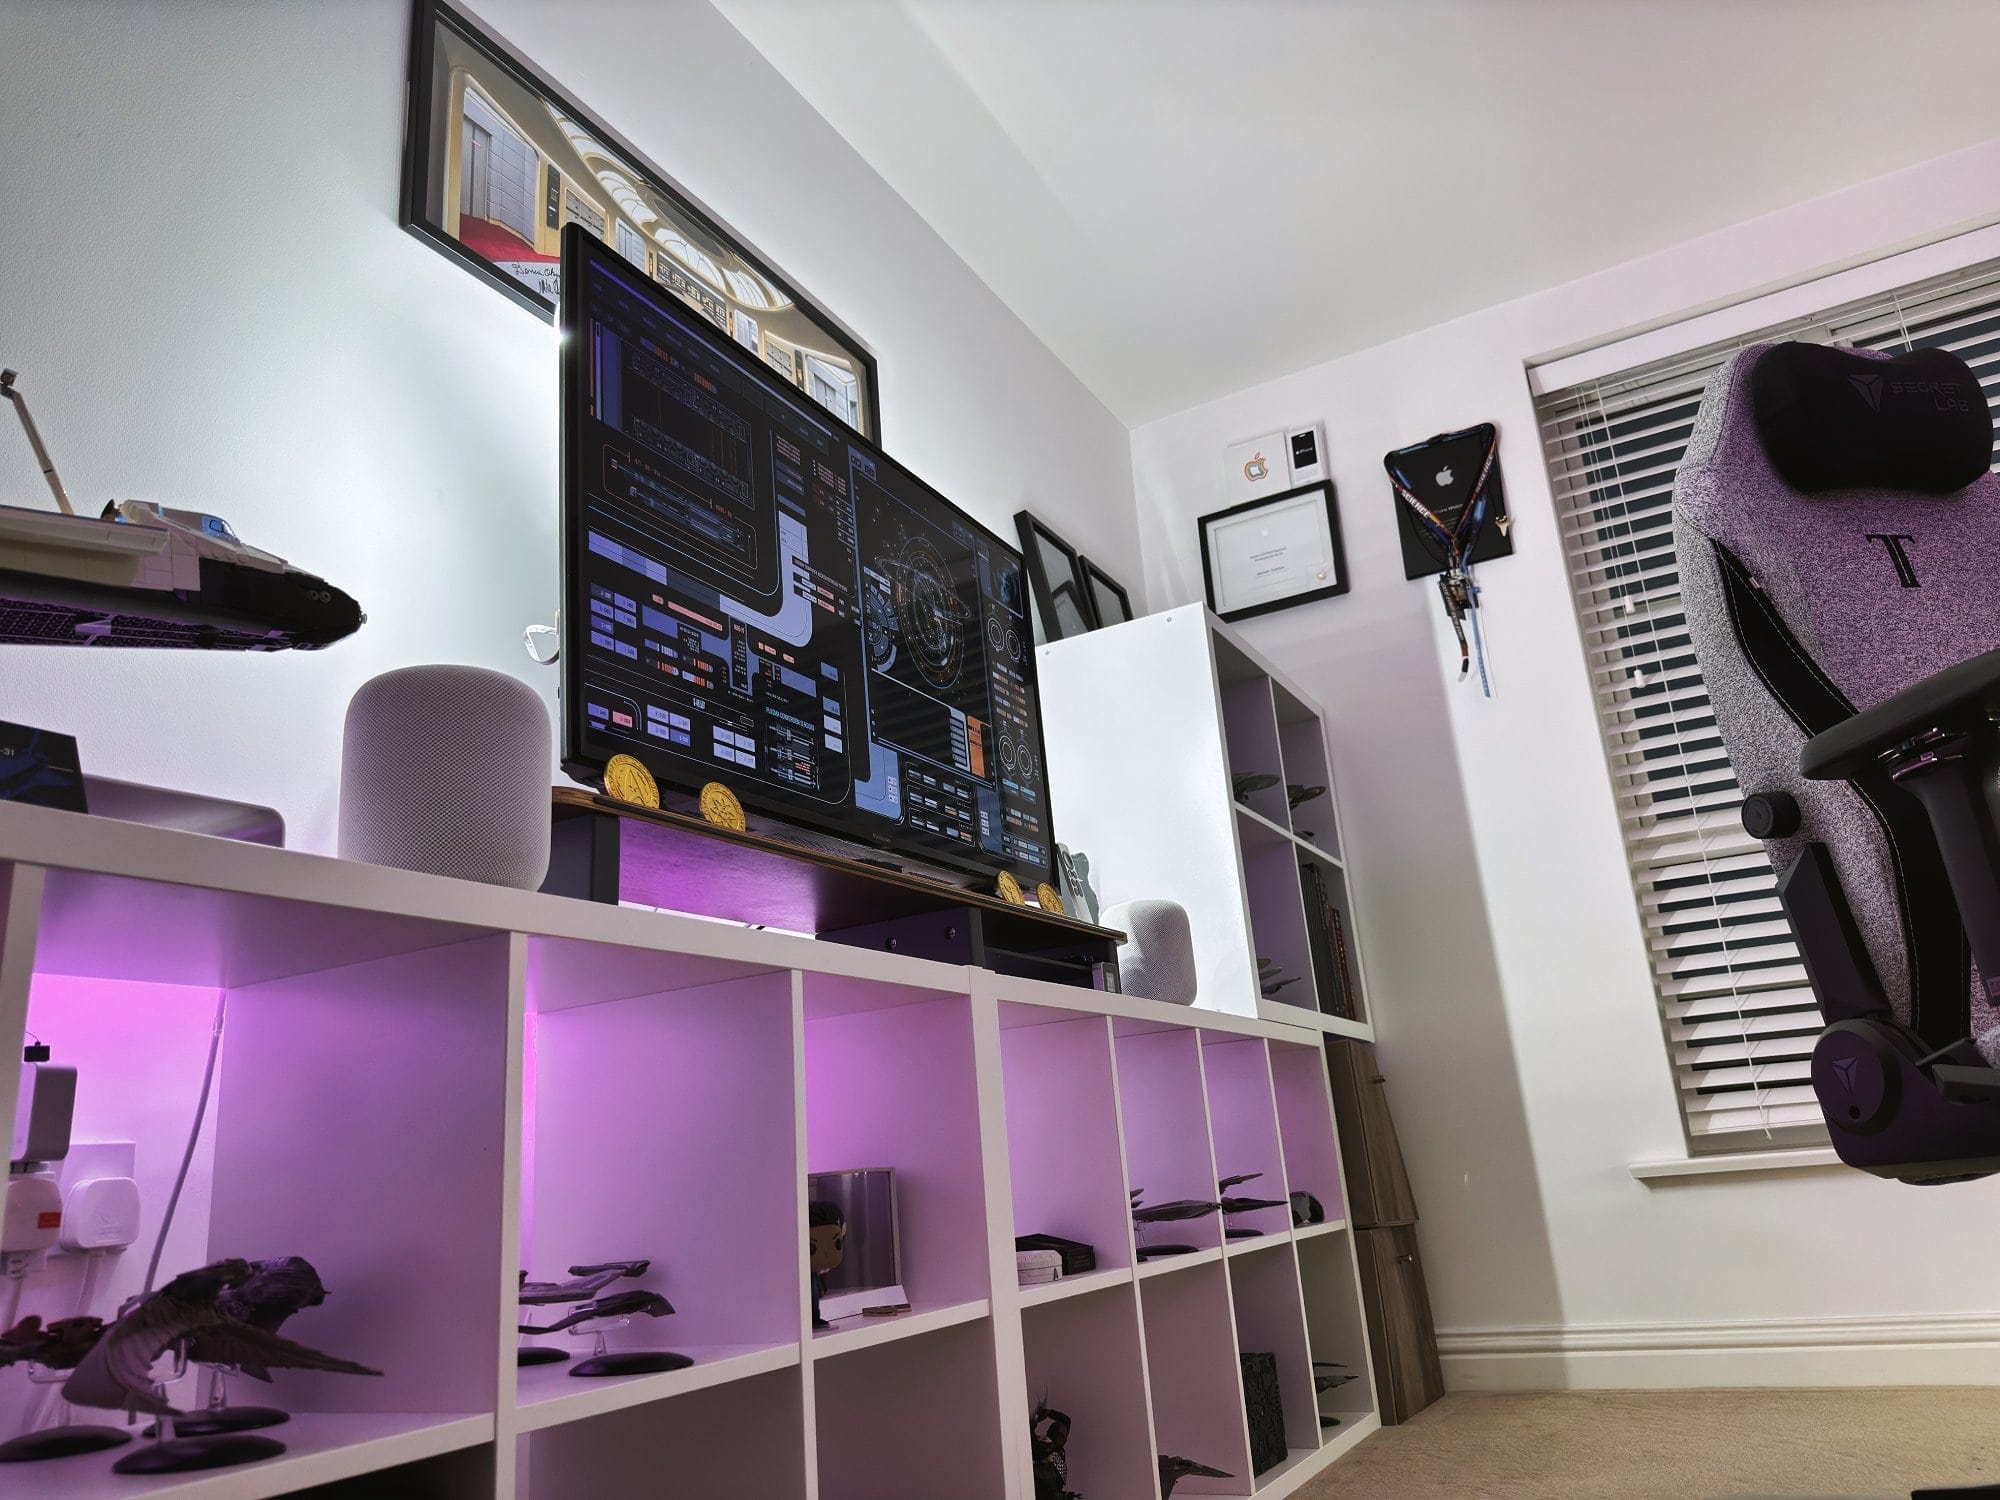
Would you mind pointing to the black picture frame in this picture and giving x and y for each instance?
(1106, 596)
(720, 270)
(1286, 500)
(1062, 599)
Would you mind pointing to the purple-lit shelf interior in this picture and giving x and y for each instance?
(893, 1083)
(1196, 1381)
(1244, 1123)
(662, 1124)
(912, 1420)
(1305, 1128)
(1083, 1357)
(1336, 1332)
(746, 1437)
(426, 1105)
(1064, 1152)
(1270, 1319)
(1167, 1153)
(1302, 743)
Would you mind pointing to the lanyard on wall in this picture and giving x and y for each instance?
(1456, 543)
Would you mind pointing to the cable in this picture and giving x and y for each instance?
(194, 1134)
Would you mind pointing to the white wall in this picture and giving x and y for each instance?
(1525, 1062)
(204, 284)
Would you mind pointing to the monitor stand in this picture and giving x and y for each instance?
(610, 851)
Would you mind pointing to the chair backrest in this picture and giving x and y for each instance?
(1806, 601)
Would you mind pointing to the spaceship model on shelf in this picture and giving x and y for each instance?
(1251, 781)
(142, 574)
(1295, 794)
(117, 1372)
(1335, 1376)
(1171, 1212)
(1174, 1470)
(274, 1290)
(585, 1282)
(54, 1346)
(1048, 1432)
(1236, 1204)
(617, 1305)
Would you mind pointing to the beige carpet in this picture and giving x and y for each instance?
(1677, 1445)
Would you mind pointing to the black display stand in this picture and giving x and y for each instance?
(608, 851)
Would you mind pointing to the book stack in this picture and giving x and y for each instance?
(1326, 932)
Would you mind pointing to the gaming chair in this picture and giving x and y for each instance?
(1838, 532)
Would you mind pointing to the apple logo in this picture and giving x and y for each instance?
(1256, 469)
(1444, 475)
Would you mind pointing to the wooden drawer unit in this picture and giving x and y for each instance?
(1401, 1334)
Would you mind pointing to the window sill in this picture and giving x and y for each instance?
(1735, 1163)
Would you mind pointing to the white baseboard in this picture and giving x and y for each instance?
(1919, 1350)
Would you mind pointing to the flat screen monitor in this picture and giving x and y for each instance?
(754, 594)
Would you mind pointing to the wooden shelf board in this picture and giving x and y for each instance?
(548, 1395)
(859, 1332)
(320, 1448)
(1075, 1286)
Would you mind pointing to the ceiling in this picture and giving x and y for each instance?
(1184, 197)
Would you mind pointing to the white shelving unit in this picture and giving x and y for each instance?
(1197, 706)
(427, 1087)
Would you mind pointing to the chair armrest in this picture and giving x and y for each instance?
(1956, 698)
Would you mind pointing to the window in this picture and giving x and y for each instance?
(1740, 1018)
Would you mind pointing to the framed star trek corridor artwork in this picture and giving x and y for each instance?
(497, 159)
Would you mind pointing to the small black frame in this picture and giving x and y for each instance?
(1051, 592)
(1100, 589)
(425, 154)
(1340, 582)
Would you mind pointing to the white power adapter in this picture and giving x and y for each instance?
(30, 1214)
(101, 1213)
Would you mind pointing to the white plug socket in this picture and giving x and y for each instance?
(101, 1213)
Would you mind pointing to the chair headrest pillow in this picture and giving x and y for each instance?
(1831, 419)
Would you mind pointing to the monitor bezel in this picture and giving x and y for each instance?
(586, 766)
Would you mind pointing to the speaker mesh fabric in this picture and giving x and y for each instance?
(1157, 960)
(446, 769)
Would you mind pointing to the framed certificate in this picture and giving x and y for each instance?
(1273, 552)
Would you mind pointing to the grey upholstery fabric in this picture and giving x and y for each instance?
(1845, 599)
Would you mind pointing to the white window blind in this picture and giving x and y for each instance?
(1739, 1016)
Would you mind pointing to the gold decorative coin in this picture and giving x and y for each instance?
(1049, 899)
(628, 781)
(1009, 889)
(720, 807)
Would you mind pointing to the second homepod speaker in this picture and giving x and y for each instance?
(1156, 961)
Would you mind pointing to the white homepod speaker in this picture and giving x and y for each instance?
(1157, 959)
(446, 770)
